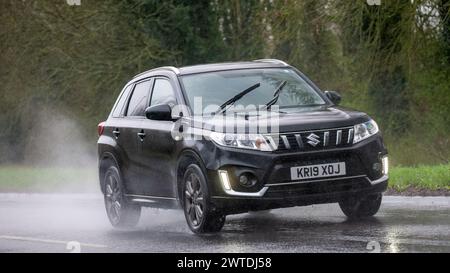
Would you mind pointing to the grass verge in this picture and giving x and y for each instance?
(435, 177)
(48, 179)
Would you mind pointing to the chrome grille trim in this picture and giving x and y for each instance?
(350, 136)
(312, 139)
(298, 138)
(326, 137)
(338, 137)
(272, 142)
(285, 141)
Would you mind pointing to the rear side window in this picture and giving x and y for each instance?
(118, 111)
(139, 99)
(163, 93)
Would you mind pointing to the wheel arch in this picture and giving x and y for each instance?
(186, 158)
(105, 160)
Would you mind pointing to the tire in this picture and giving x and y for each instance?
(200, 215)
(367, 206)
(121, 213)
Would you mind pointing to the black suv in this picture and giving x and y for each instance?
(228, 138)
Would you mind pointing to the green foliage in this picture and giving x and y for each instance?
(391, 61)
(424, 177)
(398, 50)
(304, 36)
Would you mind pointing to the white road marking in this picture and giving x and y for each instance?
(48, 241)
(391, 240)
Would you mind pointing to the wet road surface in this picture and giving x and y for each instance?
(47, 223)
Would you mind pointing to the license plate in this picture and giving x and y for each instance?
(316, 171)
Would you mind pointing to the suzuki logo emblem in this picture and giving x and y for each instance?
(313, 139)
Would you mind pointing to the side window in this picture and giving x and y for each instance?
(139, 99)
(118, 111)
(163, 93)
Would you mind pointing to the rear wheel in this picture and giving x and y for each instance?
(200, 216)
(361, 207)
(121, 213)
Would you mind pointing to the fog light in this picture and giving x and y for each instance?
(377, 167)
(247, 180)
(224, 179)
(385, 163)
(243, 179)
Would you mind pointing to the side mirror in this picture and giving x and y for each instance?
(334, 96)
(159, 112)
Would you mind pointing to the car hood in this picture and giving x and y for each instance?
(311, 118)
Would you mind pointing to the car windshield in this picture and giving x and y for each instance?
(207, 91)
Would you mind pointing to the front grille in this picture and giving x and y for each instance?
(313, 140)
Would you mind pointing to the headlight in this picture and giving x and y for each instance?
(364, 130)
(244, 141)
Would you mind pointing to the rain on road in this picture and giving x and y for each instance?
(48, 222)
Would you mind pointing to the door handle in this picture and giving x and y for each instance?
(141, 135)
(116, 132)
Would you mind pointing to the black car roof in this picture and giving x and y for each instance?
(263, 63)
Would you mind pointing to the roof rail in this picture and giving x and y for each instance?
(276, 61)
(170, 68)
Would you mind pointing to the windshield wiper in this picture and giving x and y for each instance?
(236, 98)
(276, 95)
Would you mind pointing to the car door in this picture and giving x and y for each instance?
(129, 134)
(158, 146)
(116, 128)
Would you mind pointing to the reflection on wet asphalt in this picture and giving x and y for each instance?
(44, 223)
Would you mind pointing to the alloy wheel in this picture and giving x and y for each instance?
(113, 198)
(194, 200)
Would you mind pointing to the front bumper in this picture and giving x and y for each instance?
(275, 189)
(304, 194)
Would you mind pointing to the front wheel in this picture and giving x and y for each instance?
(121, 213)
(361, 207)
(200, 216)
